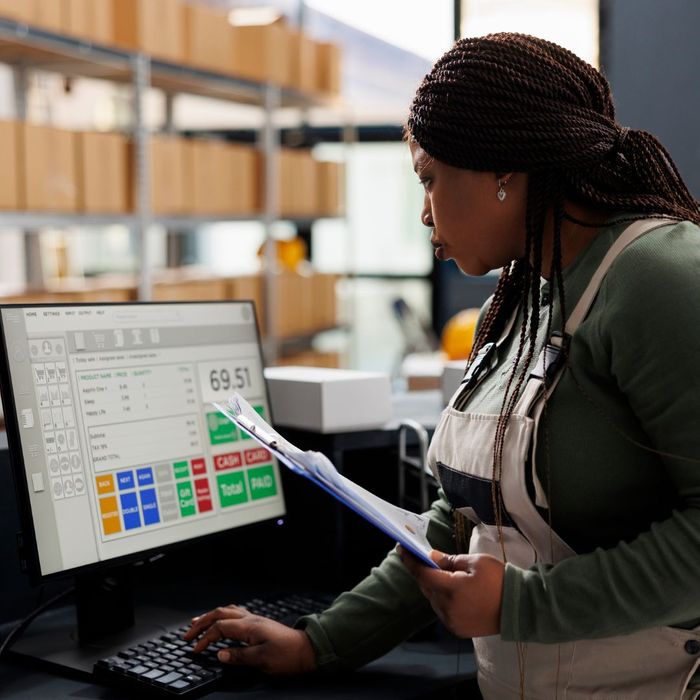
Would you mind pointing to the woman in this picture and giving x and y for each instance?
(570, 453)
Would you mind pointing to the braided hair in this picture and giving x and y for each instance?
(511, 102)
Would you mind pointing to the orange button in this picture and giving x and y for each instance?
(110, 515)
(105, 483)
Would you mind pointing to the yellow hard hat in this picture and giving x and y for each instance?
(458, 334)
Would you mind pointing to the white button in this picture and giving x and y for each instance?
(50, 442)
(57, 489)
(65, 394)
(68, 417)
(51, 375)
(68, 487)
(44, 401)
(64, 461)
(39, 374)
(54, 469)
(61, 441)
(79, 485)
(54, 394)
(76, 463)
(46, 419)
(57, 415)
(62, 371)
(38, 481)
(27, 418)
(72, 439)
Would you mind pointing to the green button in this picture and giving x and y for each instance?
(261, 411)
(220, 429)
(181, 470)
(185, 498)
(232, 490)
(262, 482)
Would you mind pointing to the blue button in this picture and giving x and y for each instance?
(130, 511)
(144, 476)
(125, 480)
(149, 506)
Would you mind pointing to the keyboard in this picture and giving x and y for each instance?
(165, 666)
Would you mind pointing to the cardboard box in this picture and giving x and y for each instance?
(328, 400)
(245, 196)
(103, 173)
(311, 358)
(18, 10)
(177, 286)
(9, 173)
(297, 183)
(48, 179)
(155, 27)
(331, 187)
(209, 176)
(303, 57)
(208, 42)
(328, 68)
(324, 300)
(261, 53)
(169, 191)
(77, 18)
(250, 287)
(50, 15)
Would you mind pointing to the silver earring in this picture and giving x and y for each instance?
(501, 194)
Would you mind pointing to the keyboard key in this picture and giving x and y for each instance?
(180, 685)
(170, 678)
(152, 675)
(138, 670)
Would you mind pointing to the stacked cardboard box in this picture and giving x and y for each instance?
(48, 14)
(250, 287)
(155, 27)
(328, 68)
(179, 285)
(261, 53)
(331, 185)
(9, 173)
(310, 358)
(103, 173)
(208, 42)
(222, 178)
(18, 10)
(169, 191)
(48, 177)
(298, 183)
(87, 19)
(303, 56)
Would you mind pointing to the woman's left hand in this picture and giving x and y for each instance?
(465, 591)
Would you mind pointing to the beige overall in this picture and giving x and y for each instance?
(651, 664)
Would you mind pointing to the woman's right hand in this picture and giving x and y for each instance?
(269, 646)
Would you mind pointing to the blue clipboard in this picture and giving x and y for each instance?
(285, 452)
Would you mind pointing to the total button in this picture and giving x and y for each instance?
(692, 646)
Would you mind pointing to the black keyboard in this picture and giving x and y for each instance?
(166, 665)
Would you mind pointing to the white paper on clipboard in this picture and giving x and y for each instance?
(410, 529)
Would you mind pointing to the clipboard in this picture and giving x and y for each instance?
(405, 527)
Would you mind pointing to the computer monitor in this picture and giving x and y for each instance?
(116, 450)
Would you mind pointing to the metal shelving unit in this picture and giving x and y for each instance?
(29, 49)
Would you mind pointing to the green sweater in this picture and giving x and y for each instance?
(624, 464)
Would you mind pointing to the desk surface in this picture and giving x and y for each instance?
(413, 670)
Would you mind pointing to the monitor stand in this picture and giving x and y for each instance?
(102, 622)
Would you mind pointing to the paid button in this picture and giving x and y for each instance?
(262, 482)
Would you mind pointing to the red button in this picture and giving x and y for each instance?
(204, 504)
(198, 466)
(231, 460)
(257, 456)
(201, 488)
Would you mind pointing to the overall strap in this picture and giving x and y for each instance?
(630, 234)
(550, 363)
(482, 365)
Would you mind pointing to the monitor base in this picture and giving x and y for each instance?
(52, 639)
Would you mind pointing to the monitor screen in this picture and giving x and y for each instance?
(115, 446)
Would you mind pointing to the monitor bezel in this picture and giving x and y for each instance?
(29, 561)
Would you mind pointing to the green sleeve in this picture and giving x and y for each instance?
(650, 330)
(381, 611)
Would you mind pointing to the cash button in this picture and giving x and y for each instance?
(692, 646)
